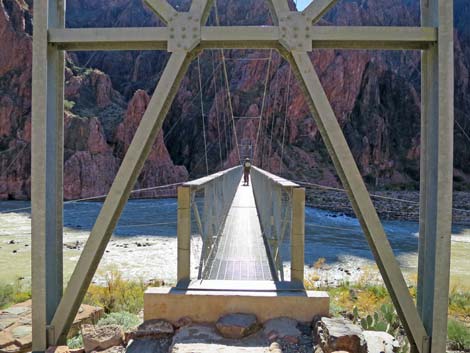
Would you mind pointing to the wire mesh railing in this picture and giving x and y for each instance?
(281, 211)
(204, 202)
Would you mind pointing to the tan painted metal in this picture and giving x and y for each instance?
(119, 193)
(256, 37)
(358, 194)
(281, 202)
(218, 190)
(317, 9)
(46, 170)
(50, 37)
(436, 172)
(298, 235)
(184, 234)
(163, 9)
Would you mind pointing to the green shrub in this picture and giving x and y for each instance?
(459, 302)
(13, 293)
(124, 319)
(458, 335)
(68, 105)
(118, 294)
(75, 342)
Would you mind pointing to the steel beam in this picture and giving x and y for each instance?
(183, 272)
(162, 8)
(317, 9)
(118, 195)
(364, 37)
(46, 171)
(298, 235)
(359, 196)
(436, 172)
(239, 37)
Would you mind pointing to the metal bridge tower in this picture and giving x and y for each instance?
(294, 35)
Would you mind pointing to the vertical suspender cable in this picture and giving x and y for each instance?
(227, 85)
(216, 100)
(262, 105)
(276, 91)
(202, 114)
(285, 120)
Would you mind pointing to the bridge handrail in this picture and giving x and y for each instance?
(276, 179)
(216, 193)
(281, 211)
(203, 181)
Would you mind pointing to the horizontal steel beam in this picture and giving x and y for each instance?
(242, 37)
(373, 37)
(129, 38)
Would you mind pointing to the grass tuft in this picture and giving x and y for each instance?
(458, 335)
(124, 319)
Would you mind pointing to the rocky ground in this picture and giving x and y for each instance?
(391, 205)
(236, 333)
(15, 325)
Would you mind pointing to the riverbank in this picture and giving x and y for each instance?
(390, 205)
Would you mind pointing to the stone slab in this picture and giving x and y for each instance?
(205, 339)
(208, 305)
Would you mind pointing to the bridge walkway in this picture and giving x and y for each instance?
(241, 253)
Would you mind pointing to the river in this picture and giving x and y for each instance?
(144, 242)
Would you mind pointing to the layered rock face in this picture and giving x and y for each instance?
(375, 95)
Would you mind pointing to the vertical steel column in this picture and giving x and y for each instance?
(298, 235)
(47, 114)
(184, 234)
(436, 172)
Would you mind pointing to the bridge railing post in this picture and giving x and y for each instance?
(298, 235)
(183, 272)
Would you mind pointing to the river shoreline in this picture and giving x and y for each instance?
(390, 205)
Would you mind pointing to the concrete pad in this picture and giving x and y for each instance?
(208, 305)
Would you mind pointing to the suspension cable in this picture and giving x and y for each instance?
(285, 120)
(260, 124)
(202, 115)
(276, 91)
(216, 102)
(227, 84)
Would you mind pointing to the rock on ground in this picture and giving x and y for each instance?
(339, 334)
(153, 329)
(100, 338)
(15, 325)
(380, 342)
(205, 339)
(283, 328)
(237, 325)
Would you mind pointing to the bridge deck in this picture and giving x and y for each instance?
(241, 253)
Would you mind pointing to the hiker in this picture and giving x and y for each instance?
(246, 171)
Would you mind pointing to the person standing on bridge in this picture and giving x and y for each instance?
(246, 171)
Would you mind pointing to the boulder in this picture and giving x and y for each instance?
(99, 338)
(339, 334)
(58, 349)
(283, 328)
(153, 329)
(237, 325)
(380, 342)
(115, 349)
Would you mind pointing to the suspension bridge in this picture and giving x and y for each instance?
(242, 227)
